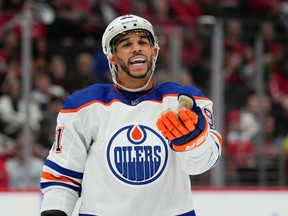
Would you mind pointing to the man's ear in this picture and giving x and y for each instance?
(155, 50)
(112, 60)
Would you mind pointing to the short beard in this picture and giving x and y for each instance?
(125, 68)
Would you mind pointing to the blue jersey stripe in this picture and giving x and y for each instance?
(86, 215)
(62, 170)
(190, 213)
(49, 184)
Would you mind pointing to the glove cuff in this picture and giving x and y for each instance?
(194, 143)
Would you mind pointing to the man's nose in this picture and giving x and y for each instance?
(136, 48)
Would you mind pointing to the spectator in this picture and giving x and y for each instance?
(234, 46)
(9, 49)
(231, 69)
(37, 28)
(239, 147)
(280, 112)
(249, 122)
(24, 172)
(273, 142)
(40, 54)
(201, 72)
(267, 30)
(277, 85)
(241, 138)
(75, 21)
(192, 47)
(272, 151)
(164, 26)
(11, 73)
(162, 14)
(141, 8)
(247, 68)
(234, 37)
(186, 12)
(273, 59)
(273, 49)
(44, 90)
(58, 72)
(83, 75)
(13, 111)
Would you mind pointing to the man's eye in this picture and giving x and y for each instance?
(125, 44)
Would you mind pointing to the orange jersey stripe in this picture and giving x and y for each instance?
(49, 176)
(117, 100)
(88, 104)
(218, 137)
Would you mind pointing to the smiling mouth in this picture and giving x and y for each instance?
(139, 60)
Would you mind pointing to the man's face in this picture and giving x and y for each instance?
(133, 55)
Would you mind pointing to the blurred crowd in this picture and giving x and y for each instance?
(67, 56)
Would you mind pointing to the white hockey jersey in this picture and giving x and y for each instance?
(108, 150)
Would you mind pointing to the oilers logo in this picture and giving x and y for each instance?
(137, 155)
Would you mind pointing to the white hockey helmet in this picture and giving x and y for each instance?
(122, 25)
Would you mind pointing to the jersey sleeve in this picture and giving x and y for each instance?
(63, 170)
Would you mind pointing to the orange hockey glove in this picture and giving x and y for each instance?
(187, 128)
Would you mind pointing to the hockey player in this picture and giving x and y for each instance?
(128, 149)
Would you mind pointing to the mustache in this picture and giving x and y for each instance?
(137, 54)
